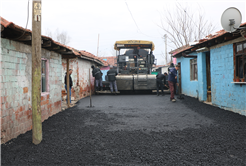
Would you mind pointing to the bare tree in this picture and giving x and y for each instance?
(48, 33)
(182, 27)
(61, 37)
(113, 51)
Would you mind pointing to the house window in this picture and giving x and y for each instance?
(240, 64)
(193, 69)
(43, 76)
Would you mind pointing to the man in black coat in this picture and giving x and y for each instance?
(135, 57)
(112, 73)
(96, 72)
(159, 82)
(70, 82)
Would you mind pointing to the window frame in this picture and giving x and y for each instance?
(46, 74)
(237, 55)
(193, 70)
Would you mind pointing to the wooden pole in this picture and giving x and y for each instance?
(98, 45)
(68, 85)
(90, 86)
(36, 73)
(165, 48)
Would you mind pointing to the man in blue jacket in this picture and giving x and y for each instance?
(172, 80)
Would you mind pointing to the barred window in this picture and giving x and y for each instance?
(193, 69)
(240, 64)
(44, 76)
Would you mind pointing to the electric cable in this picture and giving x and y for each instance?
(26, 22)
(131, 15)
(135, 21)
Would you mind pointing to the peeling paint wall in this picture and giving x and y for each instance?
(80, 77)
(73, 64)
(225, 94)
(84, 83)
(15, 89)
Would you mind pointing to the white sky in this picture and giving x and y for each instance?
(83, 20)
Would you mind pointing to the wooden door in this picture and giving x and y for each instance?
(180, 88)
(208, 77)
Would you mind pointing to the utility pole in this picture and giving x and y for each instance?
(98, 45)
(36, 73)
(68, 85)
(165, 36)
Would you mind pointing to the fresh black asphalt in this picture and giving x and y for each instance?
(134, 130)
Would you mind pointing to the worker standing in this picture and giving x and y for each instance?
(135, 57)
(159, 83)
(70, 83)
(112, 73)
(97, 73)
(172, 80)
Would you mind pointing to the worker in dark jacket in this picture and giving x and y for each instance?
(112, 73)
(159, 83)
(172, 80)
(96, 72)
(135, 57)
(70, 82)
(171, 66)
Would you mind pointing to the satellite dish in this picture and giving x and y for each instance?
(231, 19)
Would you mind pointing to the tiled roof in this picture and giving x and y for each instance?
(111, 60)
(203, 41)
(16, 29)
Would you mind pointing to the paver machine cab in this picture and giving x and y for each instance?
(134, 64)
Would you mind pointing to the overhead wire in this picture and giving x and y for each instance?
(26, 22)
(132, 15)
(135, 21)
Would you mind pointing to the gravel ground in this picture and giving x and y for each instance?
(134, 130)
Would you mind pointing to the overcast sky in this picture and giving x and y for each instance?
(113, 20)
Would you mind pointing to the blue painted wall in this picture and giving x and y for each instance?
(202, 76)
(225, 94)
(104, 74)
(189, 87)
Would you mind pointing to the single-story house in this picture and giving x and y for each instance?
(214, 70)
(160, 68)
(16, 78)
(81, 66)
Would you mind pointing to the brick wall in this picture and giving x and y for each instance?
(51, 100)
(80, 77)
(83, 79)
(15, 89)
(225, 94)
